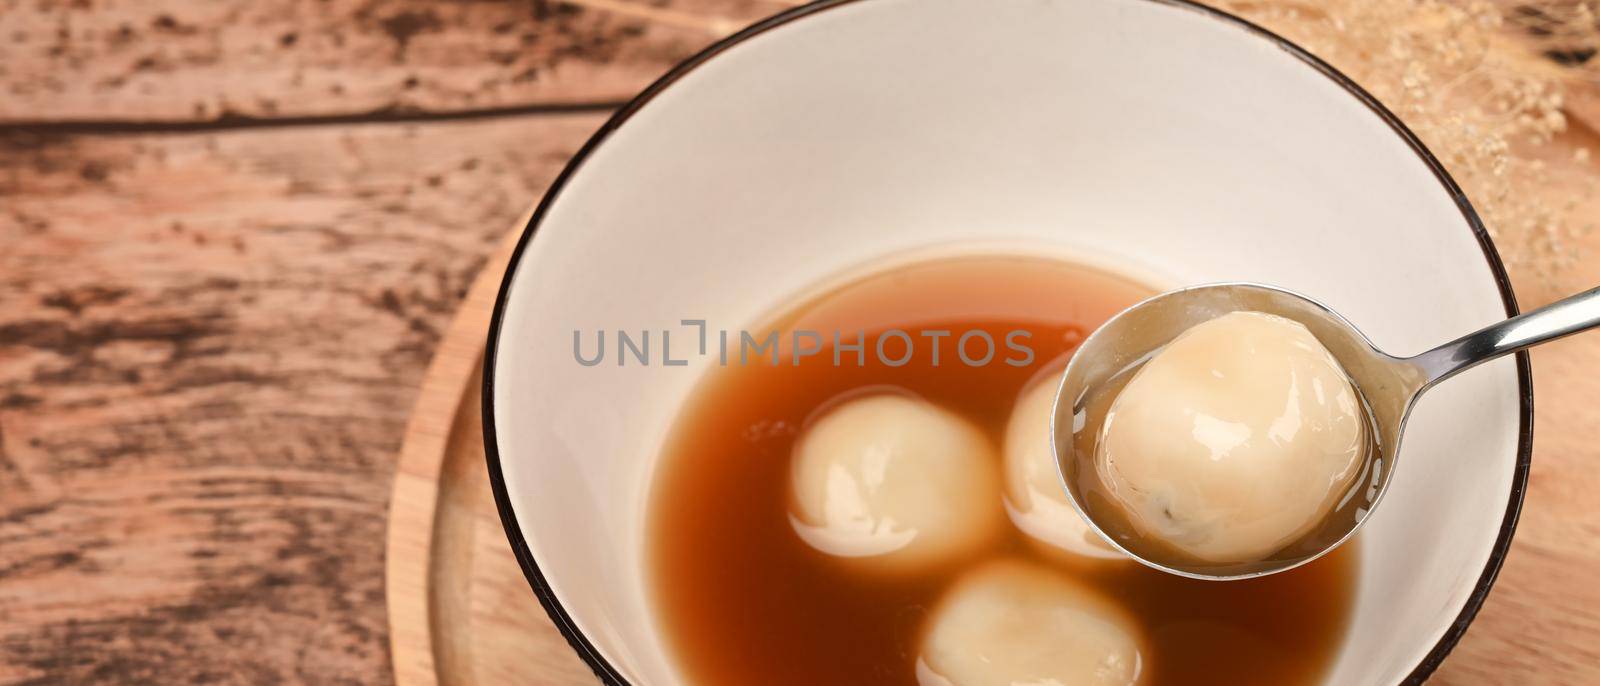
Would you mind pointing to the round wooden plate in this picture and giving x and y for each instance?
(460, 611)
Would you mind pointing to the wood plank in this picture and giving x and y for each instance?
(209, 345)
(173, 60)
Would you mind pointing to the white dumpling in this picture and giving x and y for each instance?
(1009, 623)
(1035, 498)
(1235, 440)
(896, 482)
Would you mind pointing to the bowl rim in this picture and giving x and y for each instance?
(609, 674)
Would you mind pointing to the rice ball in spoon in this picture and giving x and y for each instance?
(895, 482)
(1236, 439)
(1009, 623)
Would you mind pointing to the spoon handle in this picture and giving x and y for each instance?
(1562, 318)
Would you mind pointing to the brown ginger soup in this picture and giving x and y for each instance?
(742, 599)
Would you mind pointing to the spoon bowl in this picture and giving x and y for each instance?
(1388, 385)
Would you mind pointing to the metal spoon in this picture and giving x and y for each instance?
(1390, 386)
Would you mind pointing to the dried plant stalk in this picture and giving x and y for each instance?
(1483, 85)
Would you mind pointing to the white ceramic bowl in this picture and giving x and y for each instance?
(1151, 136)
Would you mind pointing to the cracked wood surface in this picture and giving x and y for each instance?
(211, 331)
(209, 346)
(178, 60)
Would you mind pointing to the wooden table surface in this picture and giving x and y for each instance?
(230, 235)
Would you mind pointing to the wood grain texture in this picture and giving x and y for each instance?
(175, 60)
(209, 345)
